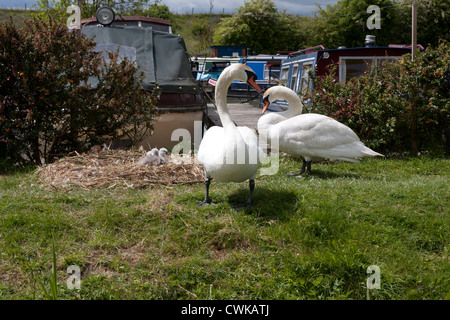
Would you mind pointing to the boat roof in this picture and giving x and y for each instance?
(264, 57)
(318, 49)
(121, 18)
(160, 55)
(216, 59)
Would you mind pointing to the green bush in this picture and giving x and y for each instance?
(403, 106)
(48, 106)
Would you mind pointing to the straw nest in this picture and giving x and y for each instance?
(116, 169)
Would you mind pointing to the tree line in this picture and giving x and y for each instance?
(263, 28)
(259, 25)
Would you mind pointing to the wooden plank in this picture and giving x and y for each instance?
(243, 114)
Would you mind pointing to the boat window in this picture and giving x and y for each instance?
(304, 84)
(284, 75)
(294, 77)
(206, 67)
(351, 67)
(271, 72)
(218, 66)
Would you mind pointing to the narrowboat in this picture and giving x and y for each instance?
(295, 71)
(163, 58)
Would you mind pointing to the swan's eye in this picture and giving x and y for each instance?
(266, 98)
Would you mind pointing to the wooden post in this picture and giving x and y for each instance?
(414, 30)
(414, 102)
(210, 24)
(74, 130)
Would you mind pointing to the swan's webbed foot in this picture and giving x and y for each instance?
(306, 167)
(207, 198)
(205, 202)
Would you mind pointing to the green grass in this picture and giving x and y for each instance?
(310, 238)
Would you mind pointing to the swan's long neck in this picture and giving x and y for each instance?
(221, 100)
(295, 103)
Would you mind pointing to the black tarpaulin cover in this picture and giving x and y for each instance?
(160, 55)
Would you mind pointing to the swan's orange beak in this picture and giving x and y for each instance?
(266, 105)
(252, 82)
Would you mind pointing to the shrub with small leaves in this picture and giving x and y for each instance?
(48, 106)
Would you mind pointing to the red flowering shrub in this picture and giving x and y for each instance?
(403, 106)
(47, 104)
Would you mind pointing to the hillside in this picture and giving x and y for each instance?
(18, 16)
(195, 30)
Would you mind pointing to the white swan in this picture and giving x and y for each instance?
(163, 153)
(154, 152)
(312, 136)
(151, 159)
(230, 153)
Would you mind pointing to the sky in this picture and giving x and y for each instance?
(229, 6)
(303, 7)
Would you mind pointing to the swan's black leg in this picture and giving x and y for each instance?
(251, 185)
(207, 198)
(306, 167)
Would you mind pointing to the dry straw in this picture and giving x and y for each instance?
(115, 169)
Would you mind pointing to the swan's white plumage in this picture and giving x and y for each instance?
(313, 136)
(229, 153)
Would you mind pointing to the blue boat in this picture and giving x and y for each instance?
(267, 69)
(209, 69)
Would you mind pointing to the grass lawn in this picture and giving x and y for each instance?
(310, 238)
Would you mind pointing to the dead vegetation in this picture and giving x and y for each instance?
(116, 169)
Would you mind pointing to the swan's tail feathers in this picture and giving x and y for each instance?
(370, 153)
(351, 155)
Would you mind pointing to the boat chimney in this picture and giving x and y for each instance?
(370, 41)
